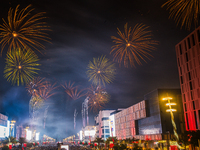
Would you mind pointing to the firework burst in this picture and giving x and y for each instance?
(36, 102)
(47, 90)
(34, 86)
(101, 71)
(98, 97)
(23, 30)
(133, 45)
(184, 12)
(20, 66)
(73, 91)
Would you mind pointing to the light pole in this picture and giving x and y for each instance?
(171, 110)
(12, 124)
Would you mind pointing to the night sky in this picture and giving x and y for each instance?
(82, 30)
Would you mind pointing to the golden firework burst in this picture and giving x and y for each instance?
(184, 12)
(101, 71)
(133, 45)
(98, 97)
(20, 66)
(23, 30)
(36, 102)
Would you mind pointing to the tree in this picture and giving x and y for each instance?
(99, 141)
(5, 147)
(111, 139)
(13, 140)
(22, 140)
(194, 136)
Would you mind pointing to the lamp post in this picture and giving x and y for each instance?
(171, 110)
(12, 124)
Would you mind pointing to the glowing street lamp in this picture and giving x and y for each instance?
(12, 124)
(171, 110)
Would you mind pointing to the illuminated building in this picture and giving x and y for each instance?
(4, 126)
(87, 133)
(125, 120)
(20, 132)
(102, 122)
(188, 60)
(148, 119)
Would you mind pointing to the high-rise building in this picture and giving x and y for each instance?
(102, 122)
(188, 59)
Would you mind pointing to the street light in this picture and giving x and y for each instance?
(171, 110)
(12, 124)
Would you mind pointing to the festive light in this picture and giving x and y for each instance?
(23, 30)
(133, 45)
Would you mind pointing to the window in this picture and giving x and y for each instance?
(195, 119)
(198, 93)
(186, 56)
(102, 136)
(105, 118)
(102, 130)
(193, 104)
(184, 98)
(185, 46)
(191, 86)
(181, 78)
(107, 131)
(187, 67)
(198, 33)
(189, 75)
(180, 49)
(193, 41)
(188, 40)
(107, 136)
(185, 107)
(191, 95)
(187, 121)
(180, 71)
(178, 62)
(97, 123)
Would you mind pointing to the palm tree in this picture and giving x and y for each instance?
(99, 141)
(109, 139)
(194, 136)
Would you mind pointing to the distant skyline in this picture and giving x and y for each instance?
(81, 31)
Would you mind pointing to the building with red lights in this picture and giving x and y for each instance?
(148, 119)
(188, 61)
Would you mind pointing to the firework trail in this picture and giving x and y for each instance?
(45, 115)
(75, 114)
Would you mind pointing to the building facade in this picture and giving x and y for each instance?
(102, 123)
(20, 132)
(87, 133)
(148, 119)
(125, 120)
(188, 60)
(4, 126)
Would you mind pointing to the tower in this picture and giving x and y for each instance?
(188, 61)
